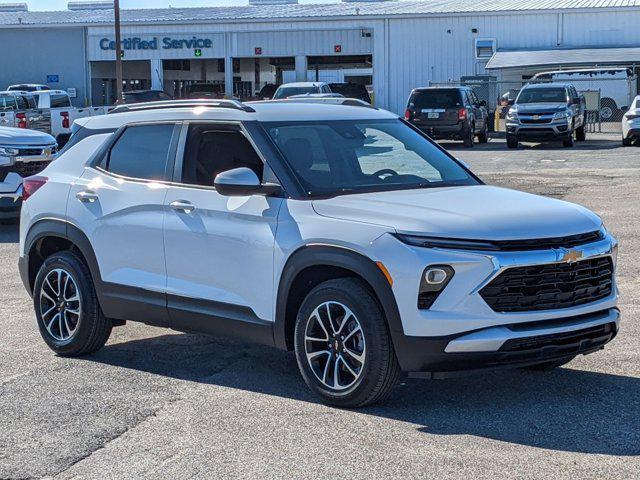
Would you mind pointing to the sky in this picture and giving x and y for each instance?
(62, 4)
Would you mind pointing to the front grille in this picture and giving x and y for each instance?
(578, 339)
(551, 286)
(24, 169)
(536, 121)
(30, 152)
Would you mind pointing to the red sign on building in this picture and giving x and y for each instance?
(258, 50)
(337, 48)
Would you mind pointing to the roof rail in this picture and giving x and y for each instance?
(350, 102)
(168, 104)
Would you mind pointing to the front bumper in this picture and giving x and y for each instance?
(460, 332)
(10, 204)
(539, 131)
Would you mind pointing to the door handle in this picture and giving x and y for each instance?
(87, 196)
(182, 206)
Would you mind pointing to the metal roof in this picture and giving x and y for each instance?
(342, 9)
(564, 57)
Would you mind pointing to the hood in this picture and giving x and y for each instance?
(474, 212)
(540, 107)
(21, 136)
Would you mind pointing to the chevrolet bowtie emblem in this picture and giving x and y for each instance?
(571, 256)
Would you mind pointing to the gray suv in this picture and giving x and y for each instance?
(552, 111)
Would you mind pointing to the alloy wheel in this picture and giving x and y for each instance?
(60, 307)
(334, 345)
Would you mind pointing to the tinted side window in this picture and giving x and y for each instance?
(60, 101)
(211, 149)
(22, 103)
(142, 152)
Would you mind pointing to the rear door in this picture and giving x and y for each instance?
(120, 205)
(436, 107)
(37, 118)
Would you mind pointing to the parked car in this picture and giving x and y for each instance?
(19, 110)
(205, 90)
(142, 96)
(449, 113)
(631, 124)
(55, 112)
(268, 91)
(617, 86)
(351, 90)
(300, 88)
(28, 87)
(335, 231)
(550, 111)
(22, 153)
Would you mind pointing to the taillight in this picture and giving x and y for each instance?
(22, 120)
(65, 119)
(462, 114)
(407, 114)
(31, 185)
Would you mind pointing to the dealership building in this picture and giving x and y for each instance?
(390, 46)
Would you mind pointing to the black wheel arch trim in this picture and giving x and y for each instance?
(341, 257)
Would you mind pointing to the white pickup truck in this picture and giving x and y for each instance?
(56, 106)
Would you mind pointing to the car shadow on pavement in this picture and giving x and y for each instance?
(566, 409)
(500, 145)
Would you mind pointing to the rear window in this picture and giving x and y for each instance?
(60, 101)
(445, 98)
(542, 95)
(287, 92)
(7, 102)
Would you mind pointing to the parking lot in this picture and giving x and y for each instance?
(164, 404)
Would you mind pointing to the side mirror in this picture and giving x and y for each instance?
(242, 182)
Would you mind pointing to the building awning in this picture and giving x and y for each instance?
(565, 57)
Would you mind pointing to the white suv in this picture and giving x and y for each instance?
(340, 232)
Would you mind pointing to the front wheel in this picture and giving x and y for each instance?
(67, 310)
(568, 142)
(342, 345)
(581, 134)
(627, 142)
(512, 141)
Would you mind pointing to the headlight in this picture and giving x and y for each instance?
(562, 115)
(9, 152)
(512, 115)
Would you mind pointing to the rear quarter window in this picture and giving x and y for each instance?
(60, 101)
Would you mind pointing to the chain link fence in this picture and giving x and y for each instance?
(607, 99)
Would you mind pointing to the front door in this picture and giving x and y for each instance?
(219, 250)
(119, 204)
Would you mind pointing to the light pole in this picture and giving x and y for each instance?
(116, 11)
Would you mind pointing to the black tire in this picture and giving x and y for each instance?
(581, 134)
(512, 141)
(567, 142)
(92, 328)
(483, 136)
(546, 366)
(378, 373)
(609, 110)
(469, 137)
(627, 142)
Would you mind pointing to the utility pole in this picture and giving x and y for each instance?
(116, 11)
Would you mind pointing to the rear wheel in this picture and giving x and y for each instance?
(483, 136)
(546, 366)
(67, 310)
(512, 141)
(469, 137)
(342, 345)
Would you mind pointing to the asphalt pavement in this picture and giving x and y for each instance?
(160, 404)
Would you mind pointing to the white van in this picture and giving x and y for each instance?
(617, 85)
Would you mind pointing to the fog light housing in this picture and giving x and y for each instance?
(434, 280)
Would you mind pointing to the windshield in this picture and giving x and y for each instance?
(286, 92)
(351, 156)
(542, 95)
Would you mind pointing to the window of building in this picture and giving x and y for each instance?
(177, 65)
(142, 152)
(485, 48)
(212, 149)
